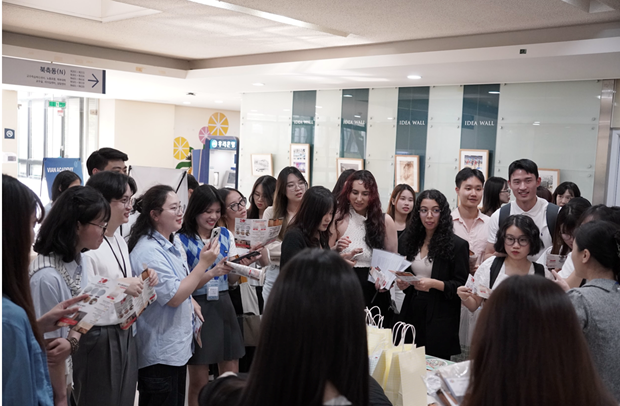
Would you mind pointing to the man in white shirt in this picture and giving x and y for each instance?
(469, 222)
(523, 179)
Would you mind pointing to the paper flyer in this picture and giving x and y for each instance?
(383, 266)
(130, 308)
(247, 271)
(197, 329)
(101, 296)
(252, 232)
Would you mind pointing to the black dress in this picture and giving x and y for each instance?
(435, 314)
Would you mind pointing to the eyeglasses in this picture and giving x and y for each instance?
(126, 201)
(177, 210)
(505, 191)
(240, 204)
(103, 227)
(292, 185)
(435, 212)
(523, 241)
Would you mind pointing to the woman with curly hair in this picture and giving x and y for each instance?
(440, 261)
(360, 227)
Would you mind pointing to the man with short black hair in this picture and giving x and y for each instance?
(469, 222)
(523, 179)
(107, 159)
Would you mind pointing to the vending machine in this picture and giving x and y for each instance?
(216, 163)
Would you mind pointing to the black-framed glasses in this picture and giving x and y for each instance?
(237, 206)
(103, 227)
(523, 241)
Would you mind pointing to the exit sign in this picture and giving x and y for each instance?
(62, 105)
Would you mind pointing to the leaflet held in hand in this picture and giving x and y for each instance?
(252, 232)
(384, 265)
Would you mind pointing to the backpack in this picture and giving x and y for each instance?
(551, 216)
(539, 269)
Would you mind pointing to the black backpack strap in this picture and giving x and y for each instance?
(551, 217)
(539, 269)
(504, 213)
(496, 266)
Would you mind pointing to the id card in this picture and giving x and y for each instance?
(213, 291)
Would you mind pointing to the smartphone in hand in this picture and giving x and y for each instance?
(248, 255)
(215, 234)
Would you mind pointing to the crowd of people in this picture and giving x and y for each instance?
(490, 285)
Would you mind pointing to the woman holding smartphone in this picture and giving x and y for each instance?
(165, 328)
(222, 342)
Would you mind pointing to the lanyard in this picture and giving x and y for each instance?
(123, 268)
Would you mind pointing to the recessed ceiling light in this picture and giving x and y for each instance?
(187, 103)
(390, 118)
(258, 84)
(347, 95)
(318, 107)
(415, 77)
(219, 101)
(536, 123)
(493, 92)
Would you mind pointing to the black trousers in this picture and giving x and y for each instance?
(162, 385)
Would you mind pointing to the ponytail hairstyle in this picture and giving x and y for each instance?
(602, 239)
(19, 204)
(375, 220)
(153, 199)
(58, 233)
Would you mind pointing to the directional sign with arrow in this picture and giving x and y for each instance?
(51, 75)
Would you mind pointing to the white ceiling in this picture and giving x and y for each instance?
(218, 54)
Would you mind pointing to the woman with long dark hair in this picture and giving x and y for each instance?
(528, 349)
(342, 179)
(25, 377)
(234, 207)
(361, 226)
(290, 188)
(310, 228)
(222, 342)
(63, 181)
(496, 193)
(400, 207)
(165, 328)
(564, 193)
(261, 196)
(596, 255)
(440, 260)
(76, 223)
(312, 348)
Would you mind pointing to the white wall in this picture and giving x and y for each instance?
(9, 120)
(146, 131)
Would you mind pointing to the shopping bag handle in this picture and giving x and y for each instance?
(374, 320)
(402, 328)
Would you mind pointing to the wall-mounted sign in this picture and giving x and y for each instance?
(62, 105)
(54, 76)
(9, 134)
(223, 144)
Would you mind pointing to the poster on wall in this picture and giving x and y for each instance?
(475, 159)
(343, 164)
(549, 178)
(53, 166)
(262, 164)
(353, 125)
(300, 158)
(407, 171)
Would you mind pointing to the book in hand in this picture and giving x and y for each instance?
(253, 232)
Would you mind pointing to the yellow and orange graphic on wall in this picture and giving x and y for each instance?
(218, 124)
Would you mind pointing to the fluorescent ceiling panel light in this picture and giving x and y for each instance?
(414, 77)
(493, 92)
(269, 16)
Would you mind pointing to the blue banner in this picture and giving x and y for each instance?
(53, 166)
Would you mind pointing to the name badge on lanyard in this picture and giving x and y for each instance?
(213, 290)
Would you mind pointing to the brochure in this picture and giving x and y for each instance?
(252, 232)
(246, 271)
(131, 307)
(384, 265)
(101, 296)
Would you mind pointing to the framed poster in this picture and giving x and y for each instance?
(342, 164)
(262, 164)
(407, 171)
(549, 178)
(475, 159)
(300, 158)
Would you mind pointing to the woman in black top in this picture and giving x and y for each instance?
(310, 228)
(440, 260)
